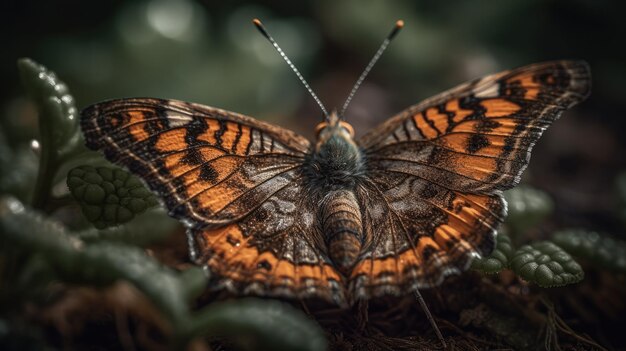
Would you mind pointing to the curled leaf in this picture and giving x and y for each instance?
(499, 258)
(59, 134)
(58, 116)
(108, 196)
(256, 324)
(546, 264)
(596, 247)
(526, 208)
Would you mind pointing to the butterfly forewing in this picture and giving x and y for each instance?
(437, 170)
(209, 165)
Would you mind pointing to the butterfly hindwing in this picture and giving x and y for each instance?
(234, 180)
(284, 256)
(421, 232)
(438, 169)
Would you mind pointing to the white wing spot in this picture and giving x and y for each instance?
(178, 120)
(490, 92)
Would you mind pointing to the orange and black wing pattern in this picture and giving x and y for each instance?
(437, 169)
(234, 181)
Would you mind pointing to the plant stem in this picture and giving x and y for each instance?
(45, 176)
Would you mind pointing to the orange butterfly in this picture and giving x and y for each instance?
(271, 213)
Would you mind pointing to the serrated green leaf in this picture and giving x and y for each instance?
(597, 247)
(499, 258)
(526, 208)
(546, 264)
(108, 196)
(260, 325)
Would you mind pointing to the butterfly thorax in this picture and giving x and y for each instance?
(336, 162)
(333, 169)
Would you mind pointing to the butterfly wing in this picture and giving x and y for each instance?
(437, 170)
(235, 182)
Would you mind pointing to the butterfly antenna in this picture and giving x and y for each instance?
(430, 318)
(263, 31)
(381, 49)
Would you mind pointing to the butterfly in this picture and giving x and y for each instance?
(410, 203)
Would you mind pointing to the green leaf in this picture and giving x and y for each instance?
(31, 230)
(597, 247)
(107, 262)
(546, 264)
(108, 196)
(151, 227)
(499, 258)
(256, 324)
(527, 207)
(193, 281)
(98, 264)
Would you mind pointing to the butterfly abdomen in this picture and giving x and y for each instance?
(343, 229)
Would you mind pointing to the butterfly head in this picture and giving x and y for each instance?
(333, 126)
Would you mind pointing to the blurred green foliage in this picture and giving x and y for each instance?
(526, 208)
(254, 324)
(599, 248)
(152, 227)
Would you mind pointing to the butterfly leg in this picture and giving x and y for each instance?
(430, 318)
